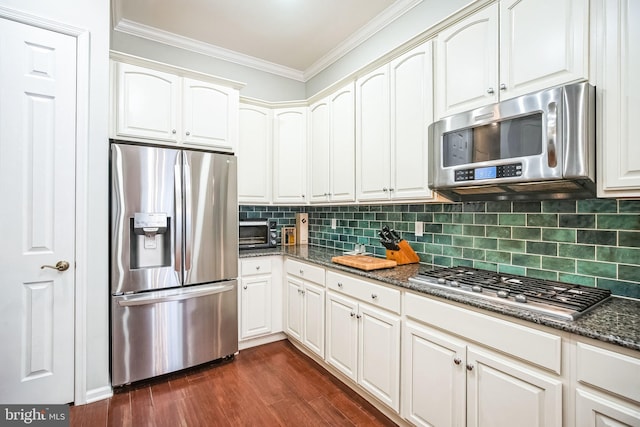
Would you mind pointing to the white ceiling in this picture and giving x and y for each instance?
(294, 38)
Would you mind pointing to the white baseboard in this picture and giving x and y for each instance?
(99, 394)
(254, 342)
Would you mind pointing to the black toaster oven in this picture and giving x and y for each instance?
(257, 233)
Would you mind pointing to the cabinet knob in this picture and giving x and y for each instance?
(244, 287)
(503, 86)
(457, 361)
(340, 285)
(352, 314)
(302, 196)
(301, 271)
(257, 267)
(173, 131)
(490, 91)
(469, 367)
(385, 189)
(188, 133)
(358, 316)
(374, 296)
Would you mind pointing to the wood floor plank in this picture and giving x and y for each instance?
(270, 385)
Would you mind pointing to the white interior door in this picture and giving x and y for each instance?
(37, 189)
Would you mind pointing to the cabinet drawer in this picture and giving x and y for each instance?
(537, 347)
(304, 271)
(251, 267)
(614, 372)
(371, 293)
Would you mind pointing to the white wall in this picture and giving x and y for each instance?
(413, 23)
(91, 15)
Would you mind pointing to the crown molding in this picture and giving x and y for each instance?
(374, 26)
(154, 34)
(171, 39)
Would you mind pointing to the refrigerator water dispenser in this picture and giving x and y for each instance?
(150, 240)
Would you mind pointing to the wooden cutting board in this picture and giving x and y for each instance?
(363, 262)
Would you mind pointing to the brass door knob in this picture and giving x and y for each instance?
(60, 266)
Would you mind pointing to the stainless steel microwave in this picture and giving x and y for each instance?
(257, 233)
(536, 146)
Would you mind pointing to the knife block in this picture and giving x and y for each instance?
(405, 255)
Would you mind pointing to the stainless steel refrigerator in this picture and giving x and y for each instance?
(174, 260)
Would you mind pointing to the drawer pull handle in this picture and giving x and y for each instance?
(457, 361)
(374, 296)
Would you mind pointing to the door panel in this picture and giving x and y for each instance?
(314, 318)
(211, 217)
(37, 181)
(342, 333)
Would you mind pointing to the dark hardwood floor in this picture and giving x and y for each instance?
(269, 385)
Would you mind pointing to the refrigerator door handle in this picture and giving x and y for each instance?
(187, 213)
(182, 294)
(178, 226)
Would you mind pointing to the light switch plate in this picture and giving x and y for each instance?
(419, 229)
(334, 223)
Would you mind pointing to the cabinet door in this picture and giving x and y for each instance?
(147, 103)
(342, 333)
(290, 130)
(595, 410)
(540, 49)
(254, 155)
(319, 149)
(210, 115)
(313, 324)
(293, 315)
(411, 113)
(502, 393)
(433, 377)
(379, 354)
(467, 63)
(343, 145)
(372, 135)
(256, 306)
(618, 98)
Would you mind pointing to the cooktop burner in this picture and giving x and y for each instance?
(564, 300)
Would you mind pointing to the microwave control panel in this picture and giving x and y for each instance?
(489, 172)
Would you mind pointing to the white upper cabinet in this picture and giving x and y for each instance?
(467, 63)
(147, 103)
(156, 106)
(210, 114)
(509, 49)
(411, 113)
(289, 142)
(618, 98)
(394, 107)
(254, 154)
(543, 43)
(332, 147)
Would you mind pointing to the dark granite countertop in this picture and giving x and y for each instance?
(615, 321)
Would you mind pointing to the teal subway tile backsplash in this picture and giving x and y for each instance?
(592, 242)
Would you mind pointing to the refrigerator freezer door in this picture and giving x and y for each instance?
(145, 224)
(158, 332)
(210, 217)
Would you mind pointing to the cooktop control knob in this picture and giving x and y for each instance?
(521, 298)
(454, 284)
(441, 281)
(476, 288)
(503, 294)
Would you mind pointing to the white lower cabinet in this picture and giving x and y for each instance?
(304, 305)
(260, 299)
(608, 391)
(363, 339)
(449, 380)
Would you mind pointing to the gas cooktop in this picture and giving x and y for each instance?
(564, 300)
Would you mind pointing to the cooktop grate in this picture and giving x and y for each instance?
(565, 296)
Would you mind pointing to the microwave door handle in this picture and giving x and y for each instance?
(187, 213)
(179, 215)
(552, 133)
